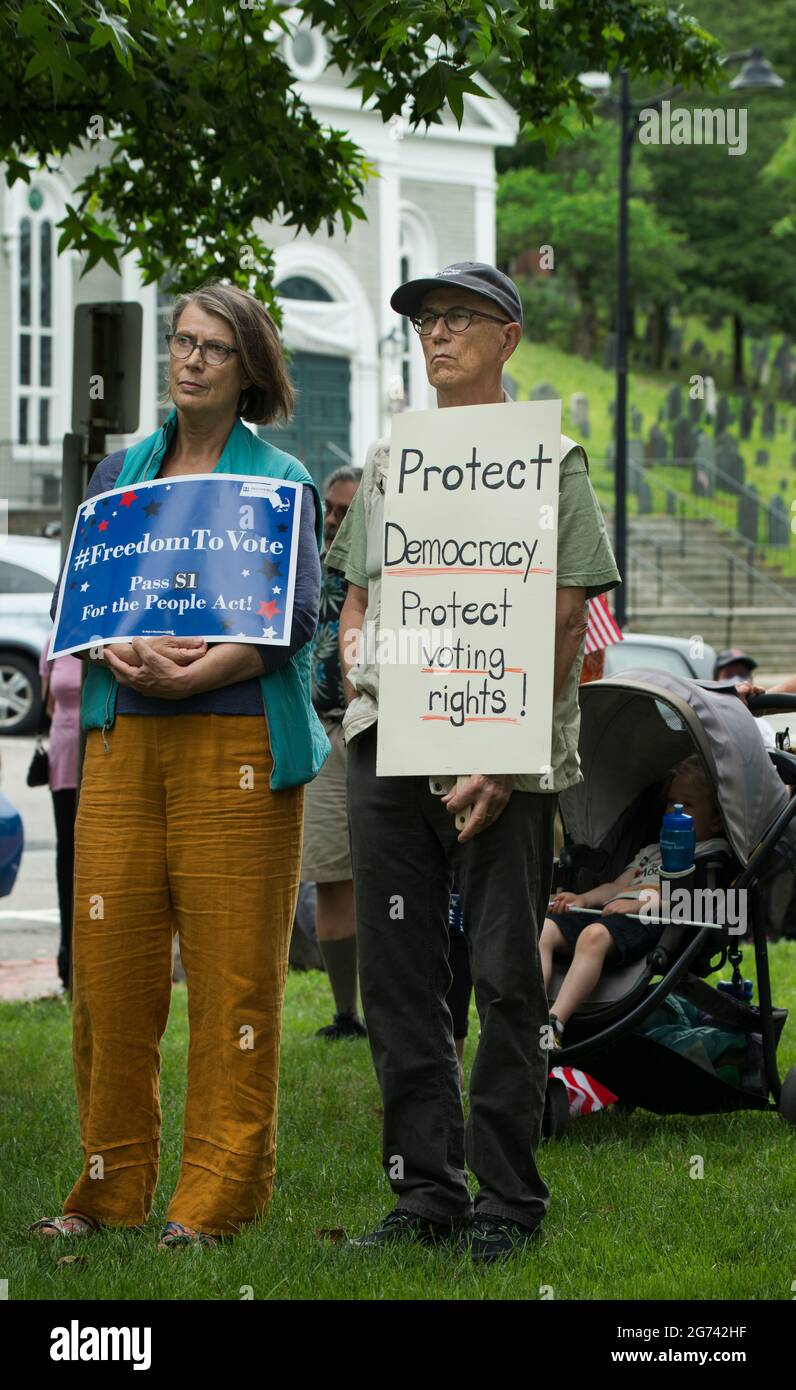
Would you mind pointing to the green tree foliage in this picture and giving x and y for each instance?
(194, 129)
(725, 204)
(781, 170)
(572, 206)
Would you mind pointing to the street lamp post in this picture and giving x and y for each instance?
(756, 75)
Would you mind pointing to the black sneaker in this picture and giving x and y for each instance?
(343, 1026)
(404, 1225)
(490, 1239)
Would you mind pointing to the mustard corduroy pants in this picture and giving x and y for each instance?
(178, 830)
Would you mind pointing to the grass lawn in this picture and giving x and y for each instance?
(626, 1220)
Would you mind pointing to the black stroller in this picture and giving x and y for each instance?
(634, 728)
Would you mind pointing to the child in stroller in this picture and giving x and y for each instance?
(614, 935)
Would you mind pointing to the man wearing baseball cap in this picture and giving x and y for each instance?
(405, 845)
(733, 662)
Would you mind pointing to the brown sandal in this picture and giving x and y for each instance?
(73, 1223)
(176, 1236)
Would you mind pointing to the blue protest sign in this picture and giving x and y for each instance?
(207, 555)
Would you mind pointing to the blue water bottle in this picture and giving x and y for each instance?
(739, 989)
(678, 842)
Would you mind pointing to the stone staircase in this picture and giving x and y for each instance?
(687, 578)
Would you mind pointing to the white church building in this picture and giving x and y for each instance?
(354, 361)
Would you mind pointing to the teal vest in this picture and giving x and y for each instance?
(298, 742)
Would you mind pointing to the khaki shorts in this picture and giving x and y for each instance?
(326, 854)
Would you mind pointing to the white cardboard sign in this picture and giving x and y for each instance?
(467, 629)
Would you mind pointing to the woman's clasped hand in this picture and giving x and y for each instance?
(155, 665)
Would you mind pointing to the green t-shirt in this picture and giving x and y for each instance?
(584, 560)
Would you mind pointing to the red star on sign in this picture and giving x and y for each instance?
(269, 609)
(103, 526)
(127, 499)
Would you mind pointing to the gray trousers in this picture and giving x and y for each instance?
(405, 851)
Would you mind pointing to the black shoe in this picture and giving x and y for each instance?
(344, 1026)
(404, 1225)
(489, 1239)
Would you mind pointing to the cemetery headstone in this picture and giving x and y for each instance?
(726, 469)
(544, 391)
(734, 471)
(761, 458)
(635, 454)
(579, 413)
(694, 409)
(510, 386)
(710, 397)
(723, 414)
(769, 420)
(644, 495)
(747, 416)
(657, 444)
(673, 402)
(778, 522)
(748, 508)
(636, 420)
(683, 440)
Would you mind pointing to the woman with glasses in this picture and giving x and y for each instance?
(190, 820)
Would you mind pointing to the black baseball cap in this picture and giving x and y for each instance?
(468, 275)
(730, 656)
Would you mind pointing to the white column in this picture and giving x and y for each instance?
(485, 222)
(389, 277)
(145, 295)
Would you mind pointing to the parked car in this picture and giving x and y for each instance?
(673, 654)
(29, 568)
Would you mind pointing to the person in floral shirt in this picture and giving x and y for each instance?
(326, 857)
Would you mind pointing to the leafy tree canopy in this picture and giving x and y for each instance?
(572, 205)
(192, 128)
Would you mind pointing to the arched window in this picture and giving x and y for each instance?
(302, 287)
(35, 421)
(304, 49)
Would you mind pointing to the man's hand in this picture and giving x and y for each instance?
(486, 796)
(747, 688)
(563, 901)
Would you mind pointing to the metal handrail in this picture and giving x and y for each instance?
(715, 509)
(694, 598)
(754, 576)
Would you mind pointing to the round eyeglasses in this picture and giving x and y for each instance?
(455, 320)
(181, 346)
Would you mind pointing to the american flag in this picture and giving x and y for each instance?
(602, 631)
(585, 1095)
